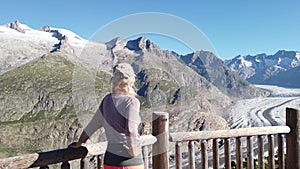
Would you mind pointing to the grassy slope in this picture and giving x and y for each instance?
(37, 112)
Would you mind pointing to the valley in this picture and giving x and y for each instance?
(255, 112)
(267, 111)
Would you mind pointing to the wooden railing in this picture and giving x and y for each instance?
(64, 156)
(224, 136)
(292, 132)
(161, 138)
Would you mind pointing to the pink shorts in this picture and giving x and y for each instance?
(125, 167)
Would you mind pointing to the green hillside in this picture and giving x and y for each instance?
(37, 110)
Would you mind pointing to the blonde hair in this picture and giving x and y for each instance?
(124, 86)
(123, 79)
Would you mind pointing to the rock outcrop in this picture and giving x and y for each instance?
(18, 26)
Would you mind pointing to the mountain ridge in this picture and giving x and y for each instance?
(21, 44)
(208, 65)
(264, 69)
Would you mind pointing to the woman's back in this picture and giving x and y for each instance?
(120, 117)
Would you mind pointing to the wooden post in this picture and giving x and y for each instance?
(227, 153)
(260, 144)
(145, 156)
(204, 155)
(178, 156)
(160, 129)
(293, 138)
(191, 151)
(84, 163)
(250, 161)
(281, 162)
(271, 159)
(239, 155)
(216, 160)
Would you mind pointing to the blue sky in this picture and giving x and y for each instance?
(233, 27)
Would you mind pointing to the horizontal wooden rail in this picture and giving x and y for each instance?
(241, 132)
(43, 158)
(61, 155)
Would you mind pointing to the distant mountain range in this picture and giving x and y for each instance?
(281, 69)
(208, 65)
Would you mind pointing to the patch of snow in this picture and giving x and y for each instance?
(295, 63)
(18, 48)
(4, 29)
(298, 55)
(24, 27)
(296, 60)
(245, 63)
(279, 61)
(31, 35)
(73, 38)
(38, 35)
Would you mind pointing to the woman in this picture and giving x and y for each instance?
(118, 113)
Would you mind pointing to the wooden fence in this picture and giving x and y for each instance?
(90, 155)
(161, 138)
(236, 135)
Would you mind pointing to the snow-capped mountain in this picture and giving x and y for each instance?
(20, 44)
(282, 68)
(208, 65)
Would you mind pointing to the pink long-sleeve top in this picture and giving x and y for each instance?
(119, 115)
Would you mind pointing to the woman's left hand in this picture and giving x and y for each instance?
(75, 145)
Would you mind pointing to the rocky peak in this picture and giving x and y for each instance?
(116, 42)
(45, 28)
(286, 54)
(143, 44)
(16, 25)
(200, 57)
(140, 43)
